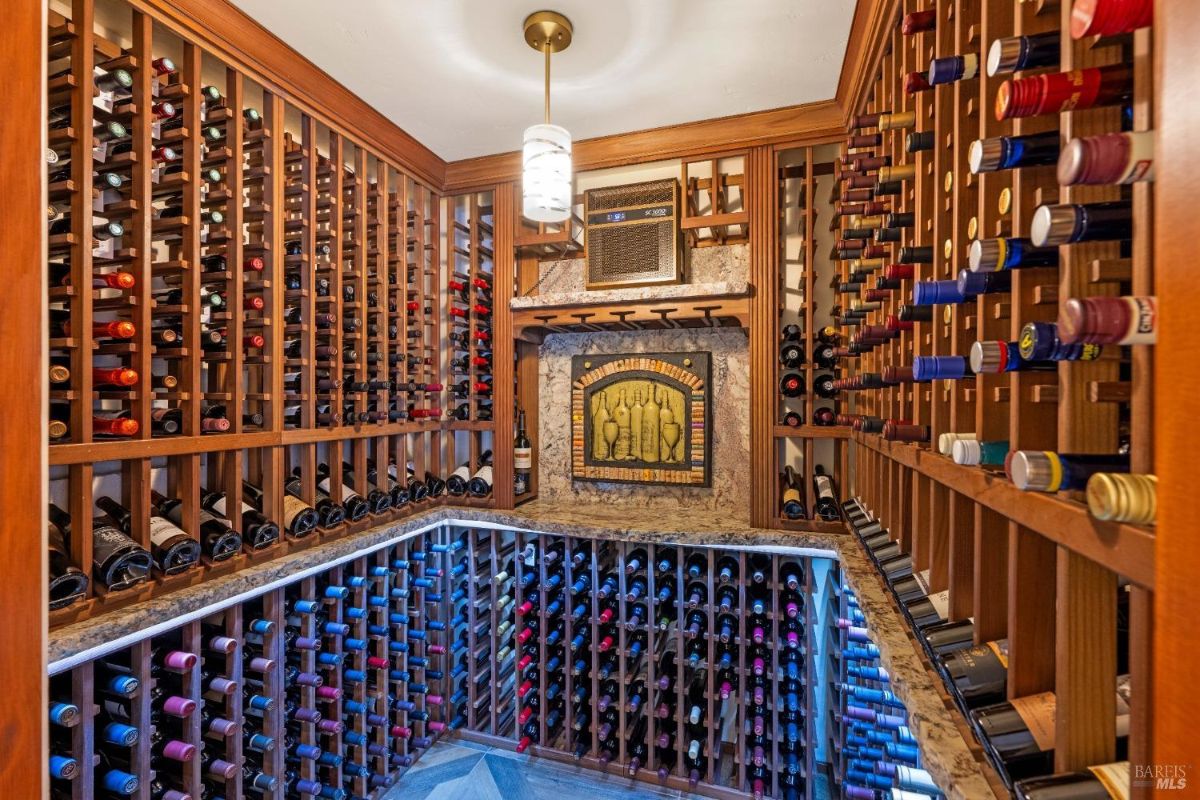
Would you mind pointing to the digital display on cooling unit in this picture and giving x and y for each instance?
(630, 215)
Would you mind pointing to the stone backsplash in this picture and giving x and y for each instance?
(724, 263)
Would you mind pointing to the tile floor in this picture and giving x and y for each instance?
(467, 771)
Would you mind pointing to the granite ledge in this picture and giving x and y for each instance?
(678, 291)
(945, 752)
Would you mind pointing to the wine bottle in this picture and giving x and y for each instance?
(989, 255)
(1123, 497)
(1111, 158)
(67, 582)
(118, 562)
(1046, 471)
(1101, 782)
(355, 506)
(522, 458)
(791, 385)
(953, 68)
(1013, 152)
(1016, 53)
(257, 530)
(1057, 92)
(826, 505)
(1109, 17)
(218, 541)
(978, 674)
(299, 518)
(1019, 734)
(1071, 223)
(173, 550)
(1109, 320)
(793, 499)
(791, 349)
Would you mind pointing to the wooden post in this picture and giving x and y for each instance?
(23, 343)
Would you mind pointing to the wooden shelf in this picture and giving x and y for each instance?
(582, 315)
(812, 432)
(1126, 549)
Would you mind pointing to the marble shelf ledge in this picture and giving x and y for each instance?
(635, 294)
(944, 751)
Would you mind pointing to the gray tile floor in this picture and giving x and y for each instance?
(467, 771)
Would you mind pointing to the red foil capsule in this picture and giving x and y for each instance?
(1109, 320)
(859, 181)
(857, 195)
(1063, 91)
(1112, 158)
(894, 323)
(902, 431)
(871, 163)
(916, 82)
(919, 22)
(874, 295)
(864, 140)
(865, 120)
(898, 272)
(1109, 17)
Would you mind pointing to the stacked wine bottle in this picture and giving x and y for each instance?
(1012, 731)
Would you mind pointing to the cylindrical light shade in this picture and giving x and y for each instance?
(546, 173)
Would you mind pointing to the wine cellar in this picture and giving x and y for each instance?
(781, 424)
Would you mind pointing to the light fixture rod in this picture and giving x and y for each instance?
(546, 48)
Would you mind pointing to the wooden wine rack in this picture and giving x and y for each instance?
(1005, 556)
(342, 228)
(374, 583)
(476, 618)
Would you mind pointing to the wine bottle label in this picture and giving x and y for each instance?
(941, 603)
(484, 474)
(163, 530)
(922, 579)
(218, 507)
(790, 495)
(824, 487)
(523, 457)
(1037, 712)
(1114, 777)
(463, 473)
(292, 508)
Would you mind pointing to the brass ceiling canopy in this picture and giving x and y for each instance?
(544, 28)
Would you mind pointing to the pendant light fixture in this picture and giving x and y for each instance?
(546, 175)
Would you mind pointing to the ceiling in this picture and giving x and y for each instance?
(458, 76)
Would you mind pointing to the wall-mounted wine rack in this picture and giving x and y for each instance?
(618, 655)
(997, 555)
(258, 306)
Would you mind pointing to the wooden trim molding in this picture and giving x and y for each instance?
(23, 344)
(229, 33)
(809, 123)
(865, 50)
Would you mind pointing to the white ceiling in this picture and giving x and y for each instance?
(458, 76)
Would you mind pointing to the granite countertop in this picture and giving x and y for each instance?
(943, 749)
(675, 291)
